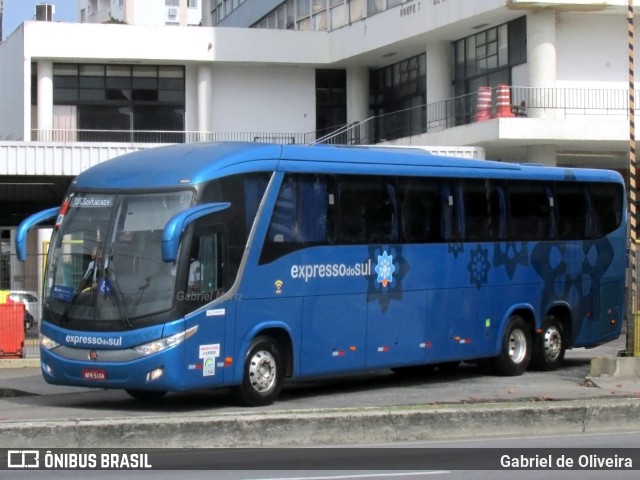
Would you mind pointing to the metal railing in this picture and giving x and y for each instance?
(160, 136)
(427, 118)
(464, 110)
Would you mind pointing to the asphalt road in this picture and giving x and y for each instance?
(29, 397)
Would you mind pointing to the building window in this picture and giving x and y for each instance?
(331, 100)
(192, 4)
(125, 98)
(222, 9)
(486, 58)
(395, 92)
(172, 3)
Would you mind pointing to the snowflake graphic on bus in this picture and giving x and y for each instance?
(385, 269)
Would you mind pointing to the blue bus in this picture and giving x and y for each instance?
(243, 265)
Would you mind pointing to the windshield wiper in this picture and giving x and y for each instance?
(115, 295)
(88, 276)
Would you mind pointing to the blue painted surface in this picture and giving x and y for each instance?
(351, 308)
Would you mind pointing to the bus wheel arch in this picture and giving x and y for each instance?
(267, 362)
(515, 350)
(551, 341)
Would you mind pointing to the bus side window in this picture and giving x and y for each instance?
(572, 211)
(448, 224)
(206, 271)
(420, 208)
(606, 208)
(530, 214)
(368, 210)
(483, 211)
(302, 216)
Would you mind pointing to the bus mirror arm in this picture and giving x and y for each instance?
(178, 223)
(26, 225)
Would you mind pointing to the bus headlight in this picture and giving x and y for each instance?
(47, 343)
(164, 343)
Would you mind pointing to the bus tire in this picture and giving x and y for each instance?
(146, 395)
(262, 375)
(516, 349)
(549, 346)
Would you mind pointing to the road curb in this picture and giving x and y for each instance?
(330, 427)
(19, 362)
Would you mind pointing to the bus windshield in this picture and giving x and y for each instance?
(105, 262)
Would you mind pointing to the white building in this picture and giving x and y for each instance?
(141, 12)
(405, 72)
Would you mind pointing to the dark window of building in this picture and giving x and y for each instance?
(486, 58)
(395, 91)
(331, 100)
(123, 97)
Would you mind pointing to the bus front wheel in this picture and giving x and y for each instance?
(263, 374)
(516, 348)
(549, 346)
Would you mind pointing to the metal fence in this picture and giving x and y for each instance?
(521, 102)
(158, 136)
(427, 118)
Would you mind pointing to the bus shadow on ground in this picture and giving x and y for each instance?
(386, 386)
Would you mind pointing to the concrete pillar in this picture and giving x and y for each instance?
(358, 102)
(542, 154)
(204, 82)
(438, 72)
(541, 57)
(357, 94)
(438, 79)
(45, 100)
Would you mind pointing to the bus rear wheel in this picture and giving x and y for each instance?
(549, 346)
(516, 349)
(262, 375)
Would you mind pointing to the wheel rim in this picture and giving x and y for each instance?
(517, 346)
(262, 371)
(552, 343)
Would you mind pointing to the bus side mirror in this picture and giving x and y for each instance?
(178, 223)
(26, 225)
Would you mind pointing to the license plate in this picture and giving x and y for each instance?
(97, 374)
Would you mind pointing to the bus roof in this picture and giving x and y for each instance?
(193, 163)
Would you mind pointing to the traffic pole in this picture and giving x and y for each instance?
(632, 324)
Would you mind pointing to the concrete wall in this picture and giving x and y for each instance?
(15, 96)
(94, 43)
(592, 51)
(262, 99)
